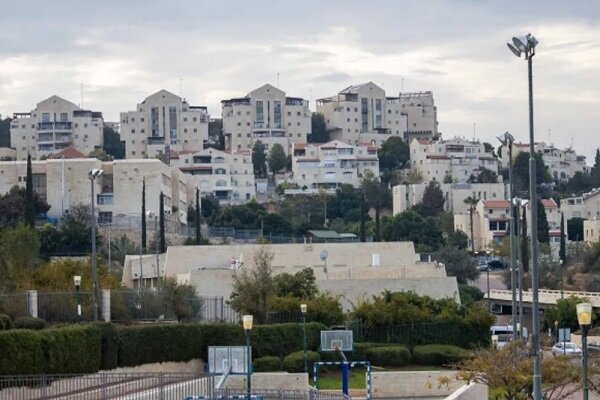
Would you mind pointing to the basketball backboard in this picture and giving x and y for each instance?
(337, 341)
(220, 358)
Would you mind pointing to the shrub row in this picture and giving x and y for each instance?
(438, 354)
(7, 323)
(89, 348)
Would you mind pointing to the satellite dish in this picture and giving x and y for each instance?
(512, 48)
(324, 254)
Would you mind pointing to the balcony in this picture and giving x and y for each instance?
(54, 126)
(156, 140)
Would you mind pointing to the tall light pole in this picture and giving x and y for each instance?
(526, 45)
(248, 320)
(584, 317)
(516, 201)
(77, 282)
(507, 140)
(303, 309)
(93, 174)
(151, 215)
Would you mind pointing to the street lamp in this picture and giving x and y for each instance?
(584, 316)
(93, 174)
(151, 215)
(247, 320)
(303, 309)
(507, 141)
(526, 45)
(517, 201)
(487, 270)
(77, 282)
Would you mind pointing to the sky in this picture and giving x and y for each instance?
(123, 51)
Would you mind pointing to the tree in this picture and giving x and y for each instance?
(58, 275)
(565, 313)
(413, 176)
(375, 192)
(543, 229)
(215, 134)
(144, 248)
(197, 218)
(319, 132)
(121, 247)
(575, 229)
(484, 175)
(524, 243)
(595, 172)
(29, 202)
(300, 285)
(259, 160)
(562, 253)
(472, 203)
(508, 373)
(521, 171)
(458, 263)
(580, 182)
(277, 158)
(488, 148)
(394, 154)
(253, 287)
(210, 206)
(76, 231)
(113, 145)
(19, 254)
(458, 239)
(100, 154)
(5, 131)
(363, 211)
(181, 299)
(275, 224)
(410, 226)
(433, 201)
(13, 206)
(161, 223)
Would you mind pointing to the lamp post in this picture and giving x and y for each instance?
(93, 174)
(77, 282)
(247, 321)
(584, 316)
(507, 140)
(517, 203)
(487, 271)
(526, 45)
(151, 215)
(303, 309)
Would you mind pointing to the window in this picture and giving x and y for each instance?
(364, 107)
(289, 113)
(45, 118)
(154, 121)
(277, 113)
(173, 122)
(260, 117)
(184, 119)
(64, 117)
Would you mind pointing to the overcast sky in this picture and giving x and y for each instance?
(122, 51)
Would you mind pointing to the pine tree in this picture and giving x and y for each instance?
(524, 246)
(197, 218)
(29, 202)
(161, 222)
(144, 214)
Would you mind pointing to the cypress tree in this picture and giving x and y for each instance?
(29, 205)
(161, 222)
(197, 218)
(144, 214)
(562, 253)
(543, 229)
(524, 246)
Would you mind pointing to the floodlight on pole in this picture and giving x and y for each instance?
(515, 51)
(247, 321)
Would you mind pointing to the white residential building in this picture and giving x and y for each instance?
(163, 122)
(562, 163)
(64, 183)
(491, 223)
(54, 125)
(407, 196)
(229, 177)
(586, 206)
(591, 231)
(268, 115)
(457, 159)
(332, 164)
(421, 115)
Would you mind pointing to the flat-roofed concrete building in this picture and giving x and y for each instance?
(352, 270)
(586, 206)
(163, 122)
(229, 177)
(268, 115)
(54, 125)
(332, 164)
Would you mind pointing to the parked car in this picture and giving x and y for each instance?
(496, 264)
(483, 267)
(566, 348)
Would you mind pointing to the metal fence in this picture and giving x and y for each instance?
(14, 304)
(139, 386)
(104, 386)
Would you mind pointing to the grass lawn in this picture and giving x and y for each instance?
(331, 380)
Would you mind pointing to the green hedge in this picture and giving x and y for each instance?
(29, 323)
(391, 356)
(109, 345)
(438, 354)
(22, 352)
(294, 362)
(5, 322)
(266, 364)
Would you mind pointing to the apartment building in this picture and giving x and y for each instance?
(54, 125)
(407, 196)
(591, 231)
(329, 165)
(586, 206)
(268, 115)
(65, 183)
(229, 177)
(161, 123)
(457, 159)
(491, 223)
(421, 115)
(562, 163)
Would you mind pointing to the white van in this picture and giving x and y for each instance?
(502, 334)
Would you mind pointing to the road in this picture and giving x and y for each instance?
(496, 281)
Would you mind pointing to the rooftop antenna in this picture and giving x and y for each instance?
(474, 129)
(549, 137)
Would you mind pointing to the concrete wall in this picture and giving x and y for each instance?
(403, 384)
(269, 380)
(471, 391)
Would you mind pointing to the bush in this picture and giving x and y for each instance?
(5, 322)
(266, 364)
(29, 323)
(281, 339)
(294, 362)
(438, 354)
(72, 349)
(109, 345)
(22, 353)
(392, 356)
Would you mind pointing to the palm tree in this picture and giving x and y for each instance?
(471, 202)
